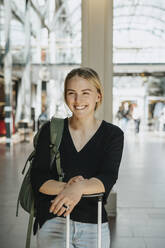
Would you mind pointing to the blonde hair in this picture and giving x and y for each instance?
(88, 74)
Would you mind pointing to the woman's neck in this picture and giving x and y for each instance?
(83, 123)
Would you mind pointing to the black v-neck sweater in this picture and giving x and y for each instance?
(99, 158)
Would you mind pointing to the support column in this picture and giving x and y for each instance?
(24, 94)
(8, 73)
(38, 44)
(38, 100)
(51, 33)
(97, 43)
(27, 70)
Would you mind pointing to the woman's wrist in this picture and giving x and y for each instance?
(82, 185)
(62, 186)
(90, 186)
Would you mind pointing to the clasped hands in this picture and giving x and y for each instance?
(68, 198)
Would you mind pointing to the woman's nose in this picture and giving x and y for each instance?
(77, 98)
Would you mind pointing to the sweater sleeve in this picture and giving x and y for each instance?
(40, 172)
(111, 158)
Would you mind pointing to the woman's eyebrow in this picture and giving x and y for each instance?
(82, 90)
(86, 90)
(70, 90)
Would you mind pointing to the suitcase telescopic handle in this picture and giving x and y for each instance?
(99, 219)
(99, 195)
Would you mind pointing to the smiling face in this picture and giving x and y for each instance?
(81, 96)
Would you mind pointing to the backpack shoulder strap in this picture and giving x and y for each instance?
(30, 224)
(56, 131)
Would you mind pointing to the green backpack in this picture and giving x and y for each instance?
(26, 196)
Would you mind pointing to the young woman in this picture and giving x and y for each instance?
(90, 151)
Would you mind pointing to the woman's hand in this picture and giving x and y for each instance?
(69, 198)
(75, 180)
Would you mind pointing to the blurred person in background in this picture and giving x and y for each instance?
(136, 117)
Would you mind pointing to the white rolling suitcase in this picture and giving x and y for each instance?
(99, 222)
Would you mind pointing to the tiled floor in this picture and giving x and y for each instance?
(140, 221)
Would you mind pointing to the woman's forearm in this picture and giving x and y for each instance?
(52, 187)
(91, 186)
(88, 186)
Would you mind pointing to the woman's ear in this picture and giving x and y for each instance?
(98, 98)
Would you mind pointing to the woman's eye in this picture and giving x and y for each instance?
(85, 93)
